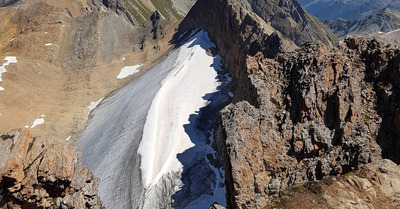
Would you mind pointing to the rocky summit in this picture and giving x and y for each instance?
(216, 104)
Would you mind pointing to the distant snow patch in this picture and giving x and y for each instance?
(48, 44)
(37, 122)
(68, 138)
(393, 31)
(45, 32)
(8, 60)
(123, 58)
(26, 126)
(94, 105)
(128, 70)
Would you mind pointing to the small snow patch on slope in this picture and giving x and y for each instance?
(94, 105)
(48, 44)
(8, 60)
(37, 122)
(128, 70)
(393, 31)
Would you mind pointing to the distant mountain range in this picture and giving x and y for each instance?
(384, 21)
(347, 9)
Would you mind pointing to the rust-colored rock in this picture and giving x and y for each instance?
(318, 112)
(36, 173)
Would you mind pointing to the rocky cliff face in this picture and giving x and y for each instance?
(318, 112)
(36, 173)
(246, 27)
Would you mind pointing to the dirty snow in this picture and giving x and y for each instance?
(180, 96)
(128, 70)
(133, 139)
(94, 105)
(393, 31)
(8, 60)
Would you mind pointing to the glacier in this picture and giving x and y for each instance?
(150, 141)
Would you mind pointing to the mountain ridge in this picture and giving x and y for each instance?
(384, 21)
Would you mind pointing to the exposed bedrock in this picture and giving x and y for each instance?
(243, 27)
(37, 173)
(321, 112)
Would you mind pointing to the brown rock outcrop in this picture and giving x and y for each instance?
(36, 173)
(376, 186)
(317, 112)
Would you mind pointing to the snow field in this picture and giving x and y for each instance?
(180, 95)
(8, 60)
(128, 70)
(94, 105)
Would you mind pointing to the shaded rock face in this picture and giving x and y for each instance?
(318, 112)
(38, 174)
(243, 27)
(4, 3)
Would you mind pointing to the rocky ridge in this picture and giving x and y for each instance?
(242, 27)
(38, 173)
(346, 9)
(318, 112)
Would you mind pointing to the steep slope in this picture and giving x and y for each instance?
(237, 30)
(318, 112)
(150, 141)
(383, 21)
(392, 37)
(374, 187)
(346, 9)
(69, 54)
(139, 11)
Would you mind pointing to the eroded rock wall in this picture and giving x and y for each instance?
(36, 173)
(321, 112)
